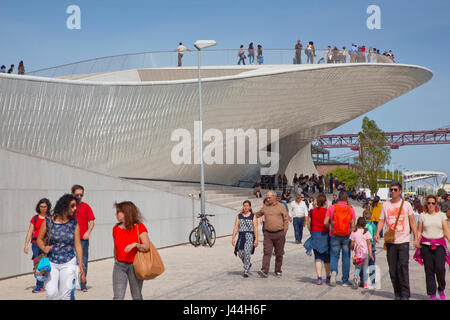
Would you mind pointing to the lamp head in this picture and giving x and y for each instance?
(202, 44)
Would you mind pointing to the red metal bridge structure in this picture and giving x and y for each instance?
(395, 139)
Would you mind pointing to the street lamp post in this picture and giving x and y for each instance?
(199, 45)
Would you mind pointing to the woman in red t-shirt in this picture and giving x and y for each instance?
(320, 238)
(126, 244)
(42, 209)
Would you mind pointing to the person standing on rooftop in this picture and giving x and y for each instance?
(259, 55)
(21, 69)
(329, 55)
(251, 53)
(310, 52)
(344, 54)
(298, 52)
(353, 51)
(241, 55)
(398, 251)
(181, 49)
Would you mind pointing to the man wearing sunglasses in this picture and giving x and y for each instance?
(85, 218)
(398, 251)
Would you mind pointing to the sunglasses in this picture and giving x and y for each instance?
(79, 195)
(433, 203)
(43, 207)
(393, 190)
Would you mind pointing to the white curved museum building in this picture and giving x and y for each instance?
(120, 123)
(94, 127)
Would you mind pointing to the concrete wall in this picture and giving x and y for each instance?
(25, 179)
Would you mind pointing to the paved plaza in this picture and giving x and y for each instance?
(216, 273)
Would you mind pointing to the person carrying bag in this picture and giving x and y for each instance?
(389, 236)
(147, 265)
(397, 239)
(41, 263)
(135, 256)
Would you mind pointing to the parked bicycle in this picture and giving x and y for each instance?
(204, 233)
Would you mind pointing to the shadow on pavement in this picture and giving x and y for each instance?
(307, 280)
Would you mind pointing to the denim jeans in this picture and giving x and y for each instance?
(85, 246)
(298, 228)
(251, 58)
(362, 272)
(123, 273)
(36, 252)
(371, 263)
(338, 244)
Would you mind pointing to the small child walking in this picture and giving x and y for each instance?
(246, 224)
(372, 228)
(362, 251)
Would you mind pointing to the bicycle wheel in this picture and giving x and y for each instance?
(194, 237)
(211, 235)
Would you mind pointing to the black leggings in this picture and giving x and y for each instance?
(434, 263)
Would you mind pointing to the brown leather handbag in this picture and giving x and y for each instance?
(147, 265)
(389, 236)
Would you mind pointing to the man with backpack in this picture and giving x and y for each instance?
(340, 219)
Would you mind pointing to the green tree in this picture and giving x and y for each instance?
(349, 177)
(375, 154)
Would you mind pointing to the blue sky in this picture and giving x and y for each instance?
(417, 31)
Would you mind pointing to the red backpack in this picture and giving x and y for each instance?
(341, 220)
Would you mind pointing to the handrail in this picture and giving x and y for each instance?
(282, 51)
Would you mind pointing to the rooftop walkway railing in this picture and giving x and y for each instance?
(219, 57)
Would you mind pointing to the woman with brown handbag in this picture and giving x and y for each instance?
(126, 245)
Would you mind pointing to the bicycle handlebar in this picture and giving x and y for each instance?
(205, 215)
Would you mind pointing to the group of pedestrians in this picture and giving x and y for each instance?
(20, 69)
(337, 237)
(335, 55)
(332, 55)
(63, 235)
(250, 54)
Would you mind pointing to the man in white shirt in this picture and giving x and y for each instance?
(298, 212)
(181, 49)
